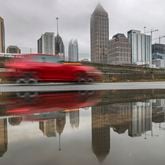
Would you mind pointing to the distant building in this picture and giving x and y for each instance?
(13, 49)
(59, 46)
(140, 47)
(119, 51)
(159, 63)
(46, 43)
(99, 35)
(73, 51)
(158, 55)
(158, 48)
(2, 36)
(39, 45)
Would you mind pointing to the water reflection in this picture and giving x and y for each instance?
(132, 114)
(3, 136)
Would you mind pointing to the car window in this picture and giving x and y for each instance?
(48, 59)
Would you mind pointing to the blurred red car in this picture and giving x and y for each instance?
(30, 103)
(34, 68)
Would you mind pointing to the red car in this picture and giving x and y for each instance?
(34, 68)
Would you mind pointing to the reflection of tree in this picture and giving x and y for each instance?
(100, 132)
(3, 136)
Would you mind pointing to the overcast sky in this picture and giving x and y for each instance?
(26, 20)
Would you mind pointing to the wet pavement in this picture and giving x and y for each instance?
(84, 127)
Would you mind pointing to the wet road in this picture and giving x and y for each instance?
(77, 87)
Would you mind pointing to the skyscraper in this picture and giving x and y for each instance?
(119, 50)
(140, 47)
(99, 35)
(46, 43)
(73, 50)
(2, 36)
(59, 45)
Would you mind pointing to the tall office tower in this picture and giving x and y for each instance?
(3, 136)
(99, 35)
(73, 50)
(140, 47)
(2, 36)
(119, 51)
(46, 43)
(13, 49)
(59, 45)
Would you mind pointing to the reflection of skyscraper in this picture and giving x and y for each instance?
(2, 36)
(3, 136)
(120, 116)
(141, 119)
(99, 32)
(158, 111)
(73, 50)
(48, 127)
(60, 124)
(74, 118)
(100, 132)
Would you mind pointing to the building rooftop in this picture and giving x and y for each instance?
(99, 9)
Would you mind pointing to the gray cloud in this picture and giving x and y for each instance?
(26, 20)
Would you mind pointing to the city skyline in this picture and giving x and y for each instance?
(35, 18)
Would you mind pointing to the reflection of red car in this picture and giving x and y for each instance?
(51, 102)
(48, 68)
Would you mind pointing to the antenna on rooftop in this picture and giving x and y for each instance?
(57, 23)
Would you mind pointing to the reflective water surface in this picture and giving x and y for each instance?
(92, 127)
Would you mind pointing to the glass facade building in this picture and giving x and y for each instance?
(140, 47)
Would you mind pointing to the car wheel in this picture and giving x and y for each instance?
(21, 81)
(32, 81)
(90, 80)
(81, 78)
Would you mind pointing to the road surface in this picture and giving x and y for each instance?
(42, 87)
